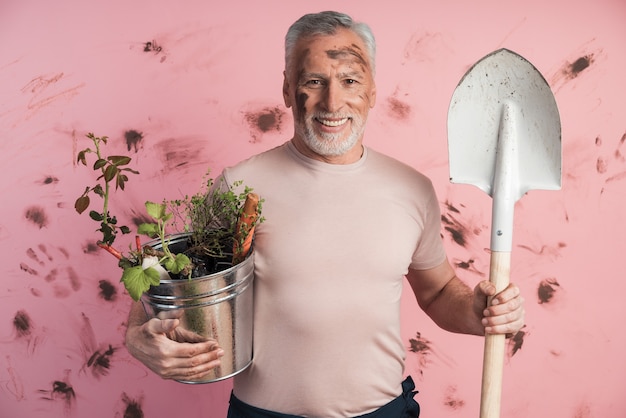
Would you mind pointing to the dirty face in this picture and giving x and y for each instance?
(330, 88)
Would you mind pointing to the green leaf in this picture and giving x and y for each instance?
(99, 163)
(151, 230)
(96, 216)
(81, 157)
(137, 280)
(82, 203)
(156, 210)
(110, 172)
(125, 229)
(98, 190)
(178, 264)
(119, 159)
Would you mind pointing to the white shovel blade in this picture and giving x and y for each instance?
(504, 78)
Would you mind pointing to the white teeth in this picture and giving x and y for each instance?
(333, 123)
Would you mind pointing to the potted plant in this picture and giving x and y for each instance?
(202, 274)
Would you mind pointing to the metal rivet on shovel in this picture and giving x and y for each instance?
(504, 136)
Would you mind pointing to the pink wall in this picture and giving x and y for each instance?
(200, 99)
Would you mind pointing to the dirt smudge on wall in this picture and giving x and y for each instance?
(132, 407)
(108, 291)
(37, 215)
(263, 120)
(547, 290)
(516, 342)
(452, 400)
(398, 109)
(133, 139)
(60, 391)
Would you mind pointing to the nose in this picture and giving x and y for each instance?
(333, 97)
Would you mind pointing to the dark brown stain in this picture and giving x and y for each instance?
(451, 399)
(301, 99)
(152, 46)
(60, 391)
(133, 139)
(547, 289)
(264, 120)
(25, 267)
(422, 348)
(108, 291)
(345, 53)
(458, 231)
(90, 248)
(100, 361)
(457, 235)
(49, 180)
(419, 344)
(516, 342)
(580, 64)
(22, 323)
(37, 215)
(133, 407)
(398, 109)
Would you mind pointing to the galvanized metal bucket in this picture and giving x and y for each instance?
(217, 306)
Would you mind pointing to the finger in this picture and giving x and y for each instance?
(161, 326)
(194, 367)
(509, 293)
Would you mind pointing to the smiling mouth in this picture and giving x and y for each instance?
(332, 123)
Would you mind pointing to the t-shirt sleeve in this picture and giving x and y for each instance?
(430, 251)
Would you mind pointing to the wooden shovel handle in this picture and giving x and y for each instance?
(245, 228)
(493, 359)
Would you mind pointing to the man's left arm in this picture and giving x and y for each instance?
(455, 307)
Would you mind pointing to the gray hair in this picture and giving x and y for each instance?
(327, 23)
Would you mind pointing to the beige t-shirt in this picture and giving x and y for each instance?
(329, 265)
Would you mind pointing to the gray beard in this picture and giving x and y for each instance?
(330, 145)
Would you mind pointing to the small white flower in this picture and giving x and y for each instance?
(153, 261)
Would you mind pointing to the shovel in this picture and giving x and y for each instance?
(504, 137)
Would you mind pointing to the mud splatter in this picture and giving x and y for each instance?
(22, 324)
(49, 180)
(133, 139)
(605, 164)
(263, 120)
(467, 265)
(398, 109)
(459, 231)
(52, 272)
(15, 384)
(132, 407)
(37, 215)
(547, 289)
(583, 411)
(551, 251)
(451, 399)
(90, 248)
(584, 62)
(516, 342)
(422, 347)
(152, 46)
(176, 153)
(100, 361)
(61, 391)
(108, 291)
(98, 358)
(43, 93)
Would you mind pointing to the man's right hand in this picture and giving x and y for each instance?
(168, 350)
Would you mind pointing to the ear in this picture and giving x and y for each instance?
(373, 96)
(286, 96)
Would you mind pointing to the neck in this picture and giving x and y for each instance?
(350, 157)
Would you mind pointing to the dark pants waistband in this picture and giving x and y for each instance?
(404, 406)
